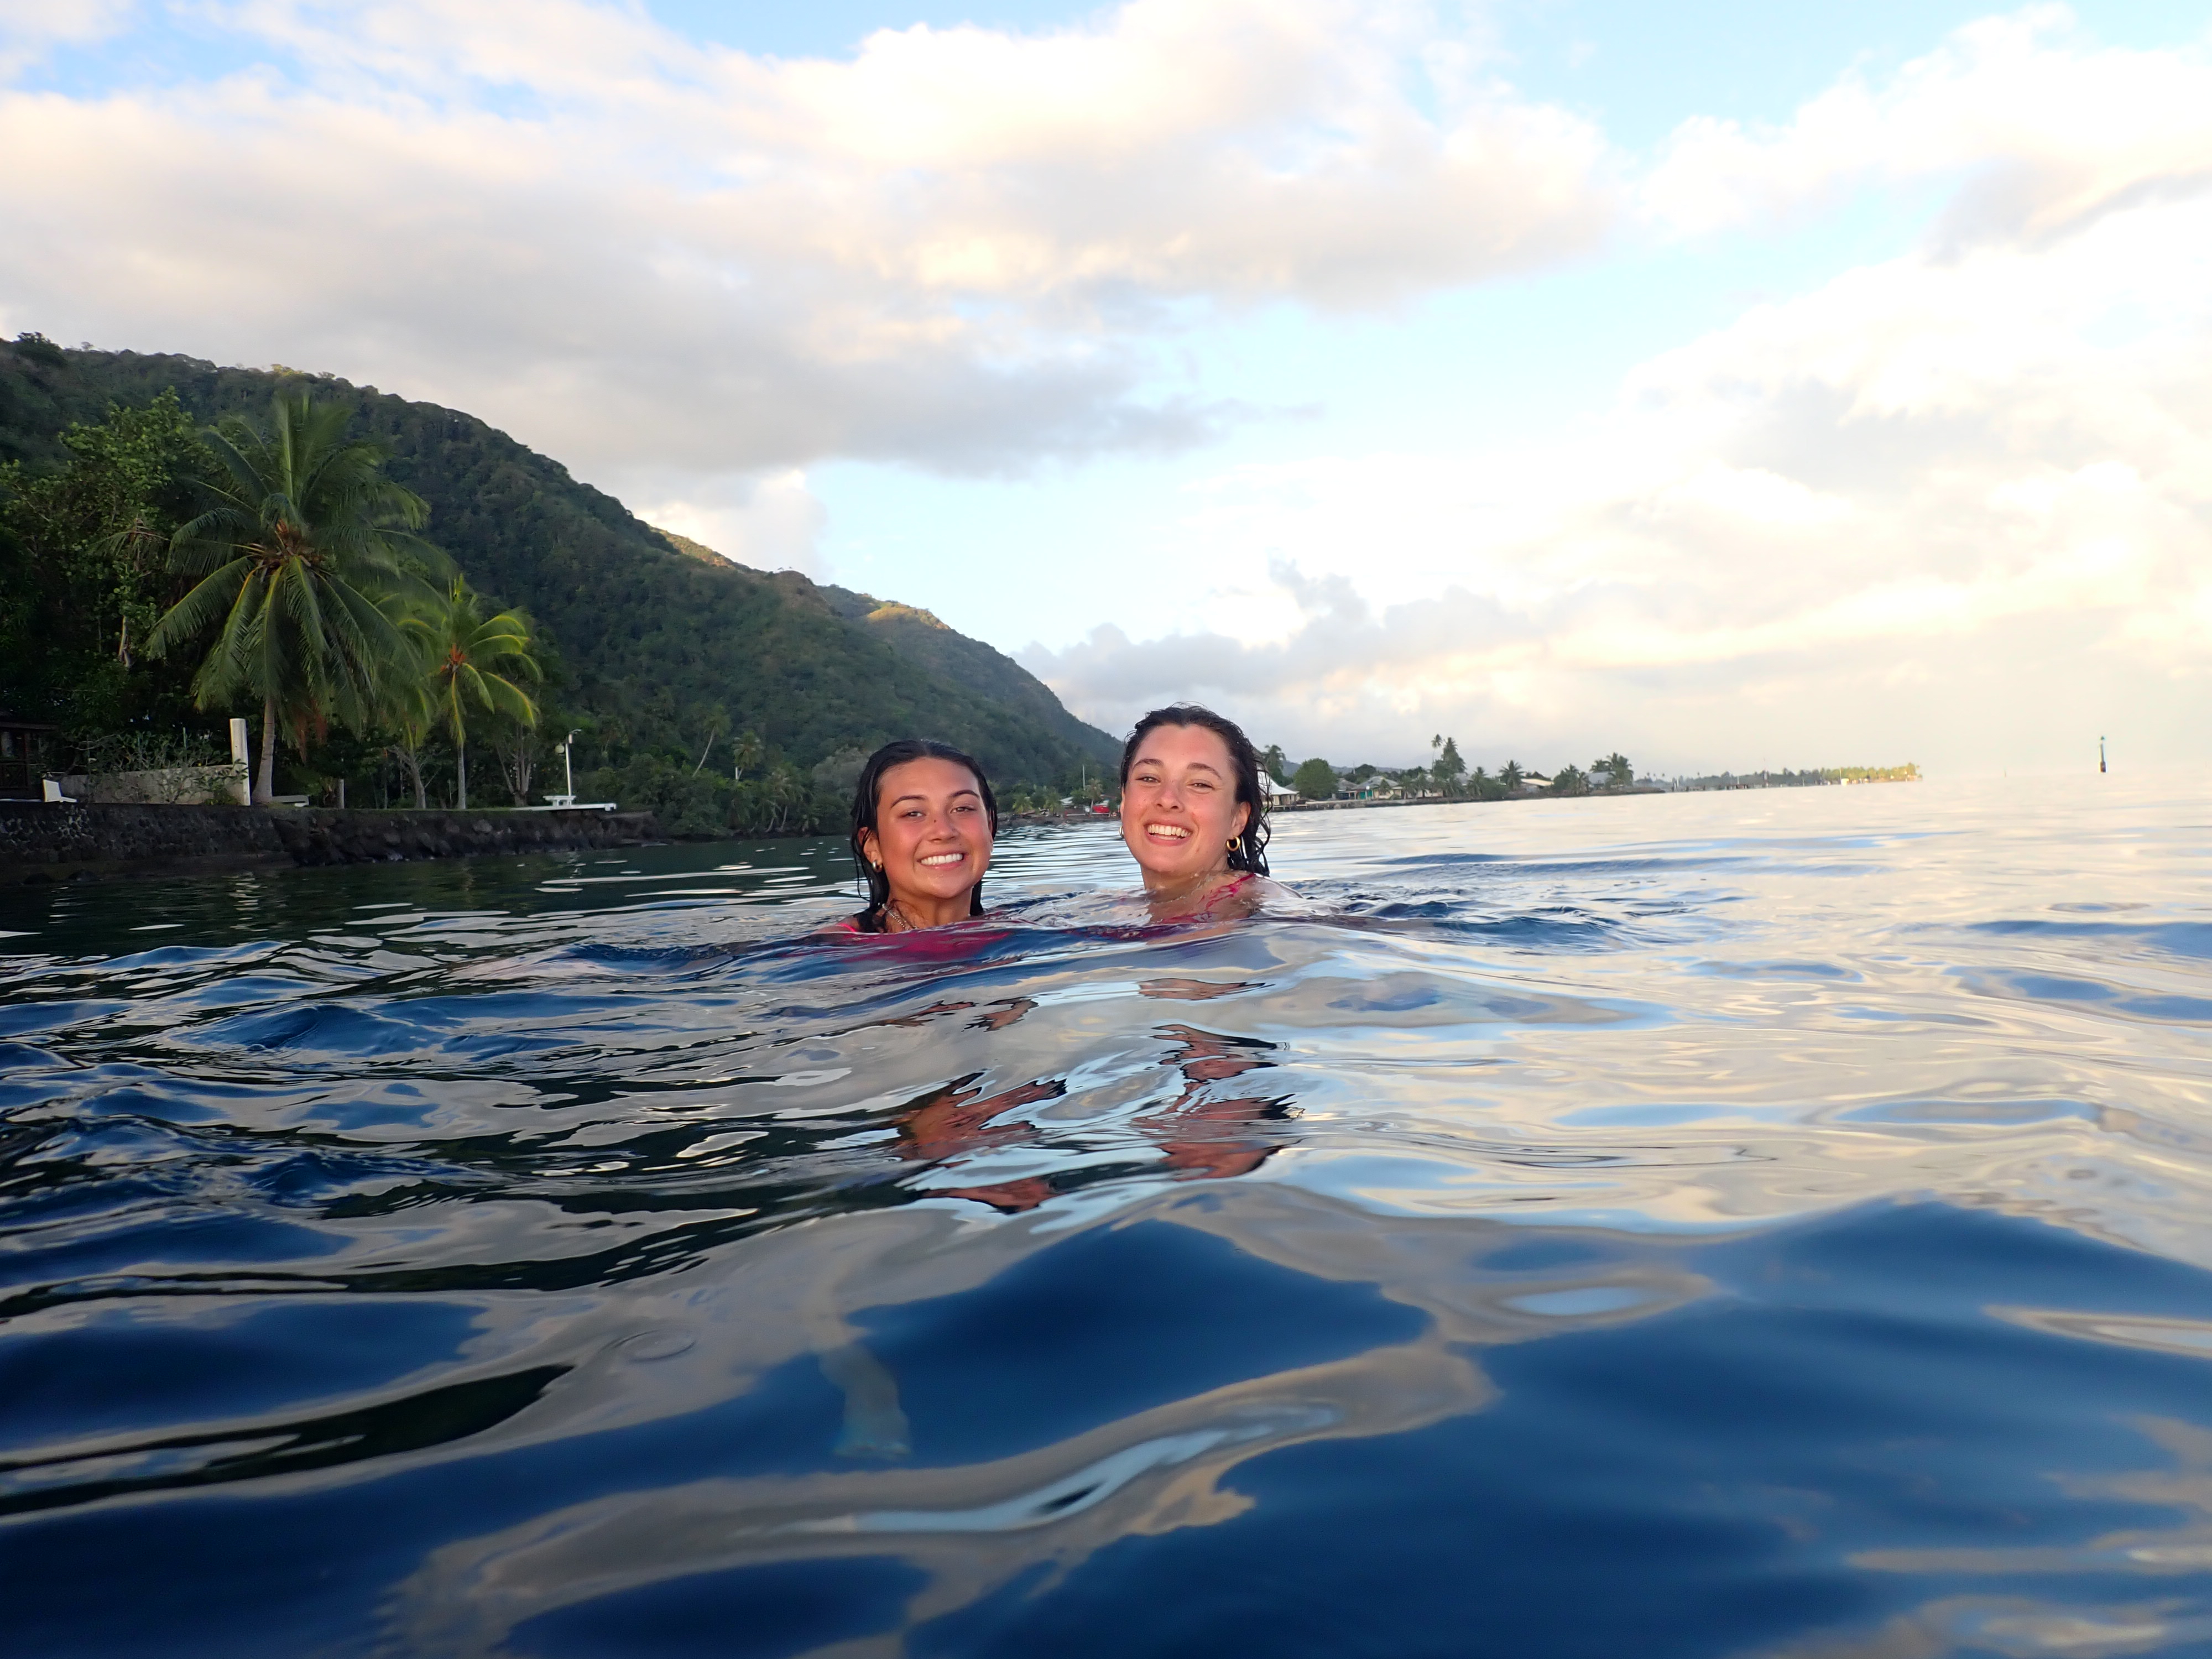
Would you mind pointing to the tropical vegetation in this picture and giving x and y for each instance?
(306, 564)
(1316, 779)
(705, 691)
(1448, 777)
(472, 660)
(84, 535)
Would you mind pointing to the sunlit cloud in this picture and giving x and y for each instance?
(2042, 133)
(771, 523)
(30, 30)
(958, 249)
(1959, 487)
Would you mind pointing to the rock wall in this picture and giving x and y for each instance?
(42, 842)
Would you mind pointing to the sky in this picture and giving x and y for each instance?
(1732, 385)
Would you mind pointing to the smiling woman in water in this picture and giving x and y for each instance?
(923, 817)
(1193, 812)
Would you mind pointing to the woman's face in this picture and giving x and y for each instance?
(933, 837)
(1179, 808)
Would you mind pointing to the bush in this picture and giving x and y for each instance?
(684, 803)
(1316, 779)
(149, 751)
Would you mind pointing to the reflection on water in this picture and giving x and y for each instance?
(1767, 1224)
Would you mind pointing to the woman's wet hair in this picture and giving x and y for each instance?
(1250, 852)
(866, 804)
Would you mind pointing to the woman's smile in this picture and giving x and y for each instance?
(1179, 806)
(931, 840)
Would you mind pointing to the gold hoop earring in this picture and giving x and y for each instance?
(1236, 845)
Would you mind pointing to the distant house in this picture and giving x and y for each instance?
(1277, 794)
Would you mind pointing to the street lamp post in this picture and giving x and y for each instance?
(567, 773)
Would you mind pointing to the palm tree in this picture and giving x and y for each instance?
(788, 788)
(471, 656)
(1511, 775)
(1449, 768)
(745, 754)
(301, 556)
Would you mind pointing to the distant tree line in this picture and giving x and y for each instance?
(1447, 777)
(1810, 778)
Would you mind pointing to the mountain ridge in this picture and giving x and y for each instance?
(923, 637)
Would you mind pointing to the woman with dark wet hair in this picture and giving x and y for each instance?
(923, 820)
(1194, 812)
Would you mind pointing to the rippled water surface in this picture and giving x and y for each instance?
(1763, 1223)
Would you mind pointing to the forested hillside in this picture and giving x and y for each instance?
(920, 637)
(660, 651)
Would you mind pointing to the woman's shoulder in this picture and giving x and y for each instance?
(1241, 894)
(1252, 891)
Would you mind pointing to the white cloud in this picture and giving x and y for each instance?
(31, 29)
(2046, 132)
(771, 523)
(956, 248)
(1939, 503)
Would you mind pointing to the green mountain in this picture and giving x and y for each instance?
(661, 644)
(920, 638)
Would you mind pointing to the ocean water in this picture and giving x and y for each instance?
(1768, 1224)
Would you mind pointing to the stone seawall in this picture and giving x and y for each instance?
(43, 842)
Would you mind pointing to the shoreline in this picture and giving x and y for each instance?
(1069, 816)
(42, 842)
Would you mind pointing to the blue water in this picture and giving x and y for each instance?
(1764, 1224)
